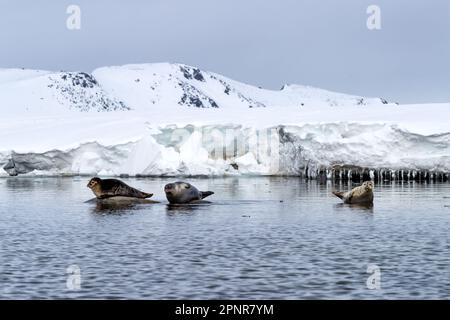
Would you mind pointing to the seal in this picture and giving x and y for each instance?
(119, 200)
(360, 195)
(107, 188)
(182, 192)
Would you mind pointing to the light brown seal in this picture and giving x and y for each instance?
(360, 195)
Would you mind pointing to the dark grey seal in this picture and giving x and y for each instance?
(182, 192)
(107, 188)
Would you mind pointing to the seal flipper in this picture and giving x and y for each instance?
(147, 195)
(339, 194)
(204, 194)
(127, 191)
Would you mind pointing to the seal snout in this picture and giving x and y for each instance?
(93, 182)
(368, 185)
(168, 188)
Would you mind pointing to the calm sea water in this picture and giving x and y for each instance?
(280, 238)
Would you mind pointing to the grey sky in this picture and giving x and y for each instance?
(324, 43)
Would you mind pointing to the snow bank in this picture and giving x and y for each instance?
(231, 150)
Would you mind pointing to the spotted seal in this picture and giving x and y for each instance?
(359, 195)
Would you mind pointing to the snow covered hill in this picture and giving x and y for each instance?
(142, 86)
(34, 92)
(174, 119)
(151, 87)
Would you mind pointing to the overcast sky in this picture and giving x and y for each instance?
(324, 43)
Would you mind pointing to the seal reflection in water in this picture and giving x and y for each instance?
(182, 192)
(107, 188)
(359, 195)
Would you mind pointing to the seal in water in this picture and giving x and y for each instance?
(361, 194)
(107, 188)
(182, 192)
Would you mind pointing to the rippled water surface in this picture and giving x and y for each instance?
(280, 238)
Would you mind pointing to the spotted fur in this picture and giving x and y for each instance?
(361, 194)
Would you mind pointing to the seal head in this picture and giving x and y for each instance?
(182, 192)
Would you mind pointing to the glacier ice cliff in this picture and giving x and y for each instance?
(322, 150)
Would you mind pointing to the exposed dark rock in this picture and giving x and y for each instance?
(194, 97)
(192, 73)
(198, 75)
(83, 92)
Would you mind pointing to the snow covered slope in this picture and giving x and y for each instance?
(173, 119)
(42, 93)
(163, 84)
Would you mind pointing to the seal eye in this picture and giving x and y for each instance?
(187, 186)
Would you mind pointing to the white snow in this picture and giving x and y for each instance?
(172, 119)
